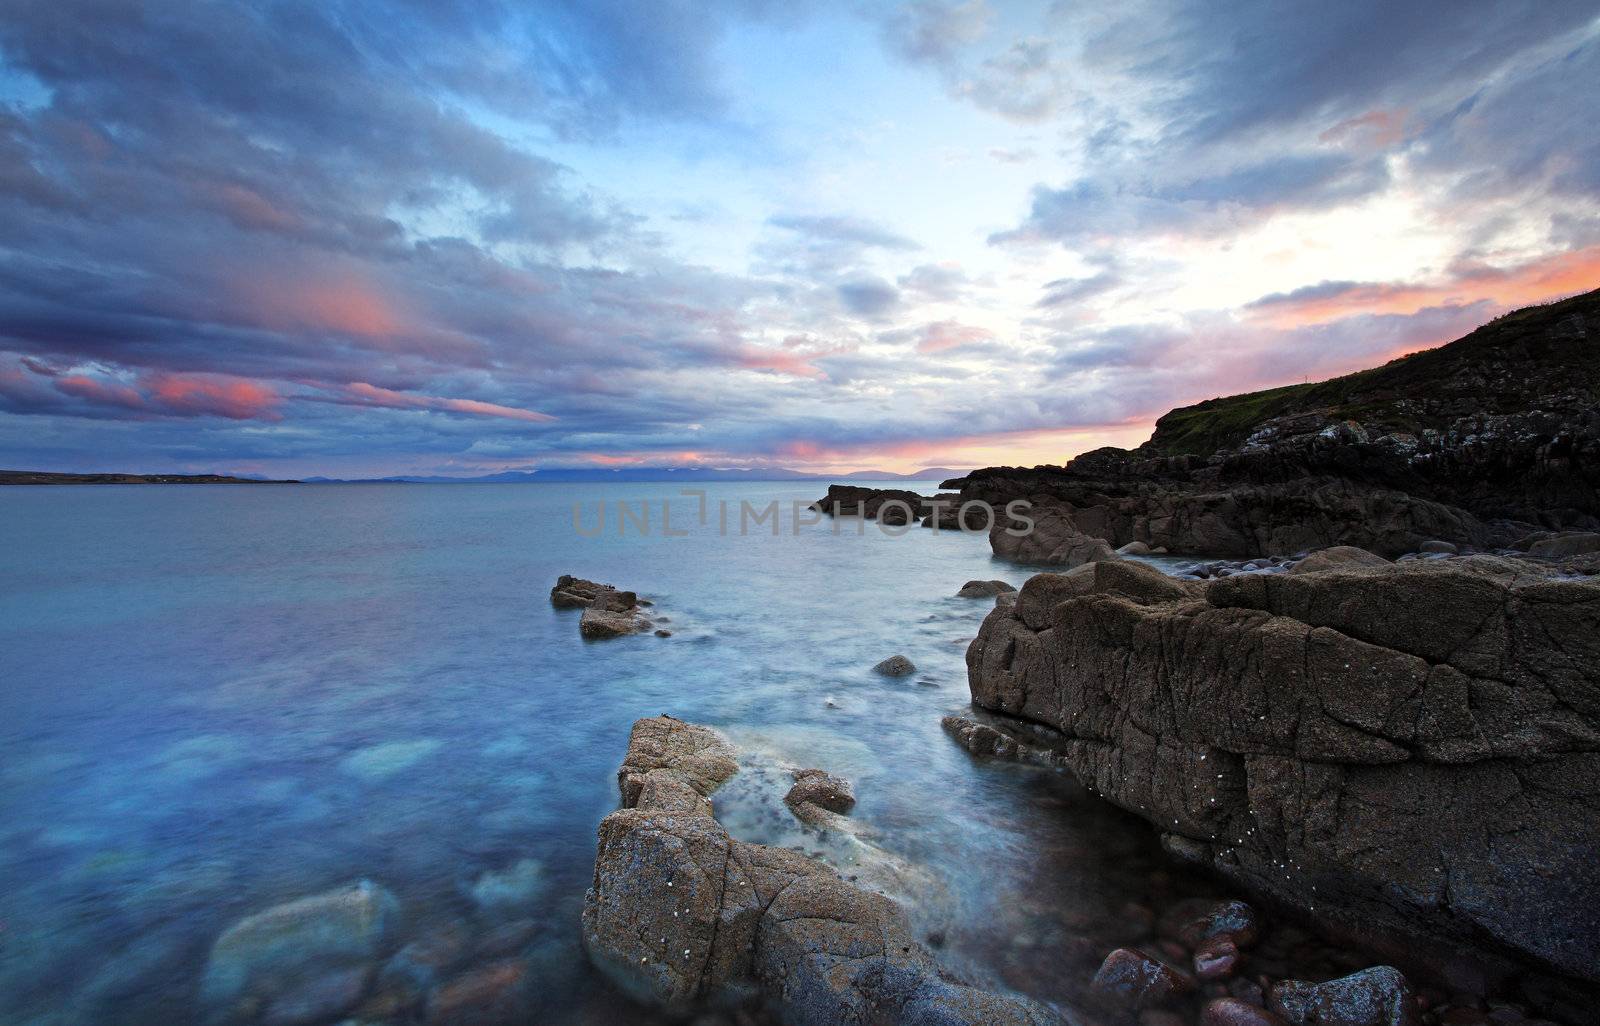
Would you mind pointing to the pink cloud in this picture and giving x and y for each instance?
(1376, 129)
(1537, 281)
(942, 336)
(162, 394)
(388, 398)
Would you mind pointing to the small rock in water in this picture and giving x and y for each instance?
(821, 789)
(1234, 1012)
(1445, 547)
(984, 589)
(1379, 996)
(1131, 979)
(1200, 919)
(663, 633)
(509, 891)
(895, 666)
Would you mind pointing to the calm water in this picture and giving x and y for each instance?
(220, 698)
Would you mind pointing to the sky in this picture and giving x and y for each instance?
(427, 236)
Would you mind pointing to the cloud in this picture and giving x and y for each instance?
(363, 394)
(943, 336)
(843, 229)
(868, 296)
(1506, 287)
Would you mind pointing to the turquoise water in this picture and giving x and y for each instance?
(221, 698)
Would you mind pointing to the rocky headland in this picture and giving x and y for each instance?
(1492, 441)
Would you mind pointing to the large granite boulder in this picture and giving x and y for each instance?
(681, 914)
(1406, 749)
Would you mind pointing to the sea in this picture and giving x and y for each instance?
(216, 699)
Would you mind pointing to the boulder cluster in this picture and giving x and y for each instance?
(681, 914)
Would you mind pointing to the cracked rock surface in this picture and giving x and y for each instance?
(1405, 749)
(682, 914)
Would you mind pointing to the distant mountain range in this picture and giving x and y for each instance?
(571, 475)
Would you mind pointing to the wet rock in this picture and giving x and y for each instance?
(576, 593)
(288, 952)
(1198, 920)
(895, 666)
(869, 503)
(1248, 991)
(1216, 959)
(1443, 547)
(494, 995)
(1131, 979)
(663, 633)
(818, 789)
(607, 612)
(680, 913)
(984, 589)
(1234, 1012)
(1053, 540)
(598, 624)
(319, 998)
(506, 938)
(671, 753)
(1161, 1017)
(420, 965)
(1379, 996)
(1134, 548)
(1565, 545)
(1333, 740)
(1338, 557)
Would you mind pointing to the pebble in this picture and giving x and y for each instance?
(1216, 958)
(1131, 979)
(1233, 1012)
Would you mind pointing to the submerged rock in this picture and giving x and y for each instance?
(895, 666)
(302, 954)
(681, 914)
(1407, 749)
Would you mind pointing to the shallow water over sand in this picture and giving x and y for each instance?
(221, 698)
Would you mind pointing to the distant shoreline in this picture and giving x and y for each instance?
(44, 477)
